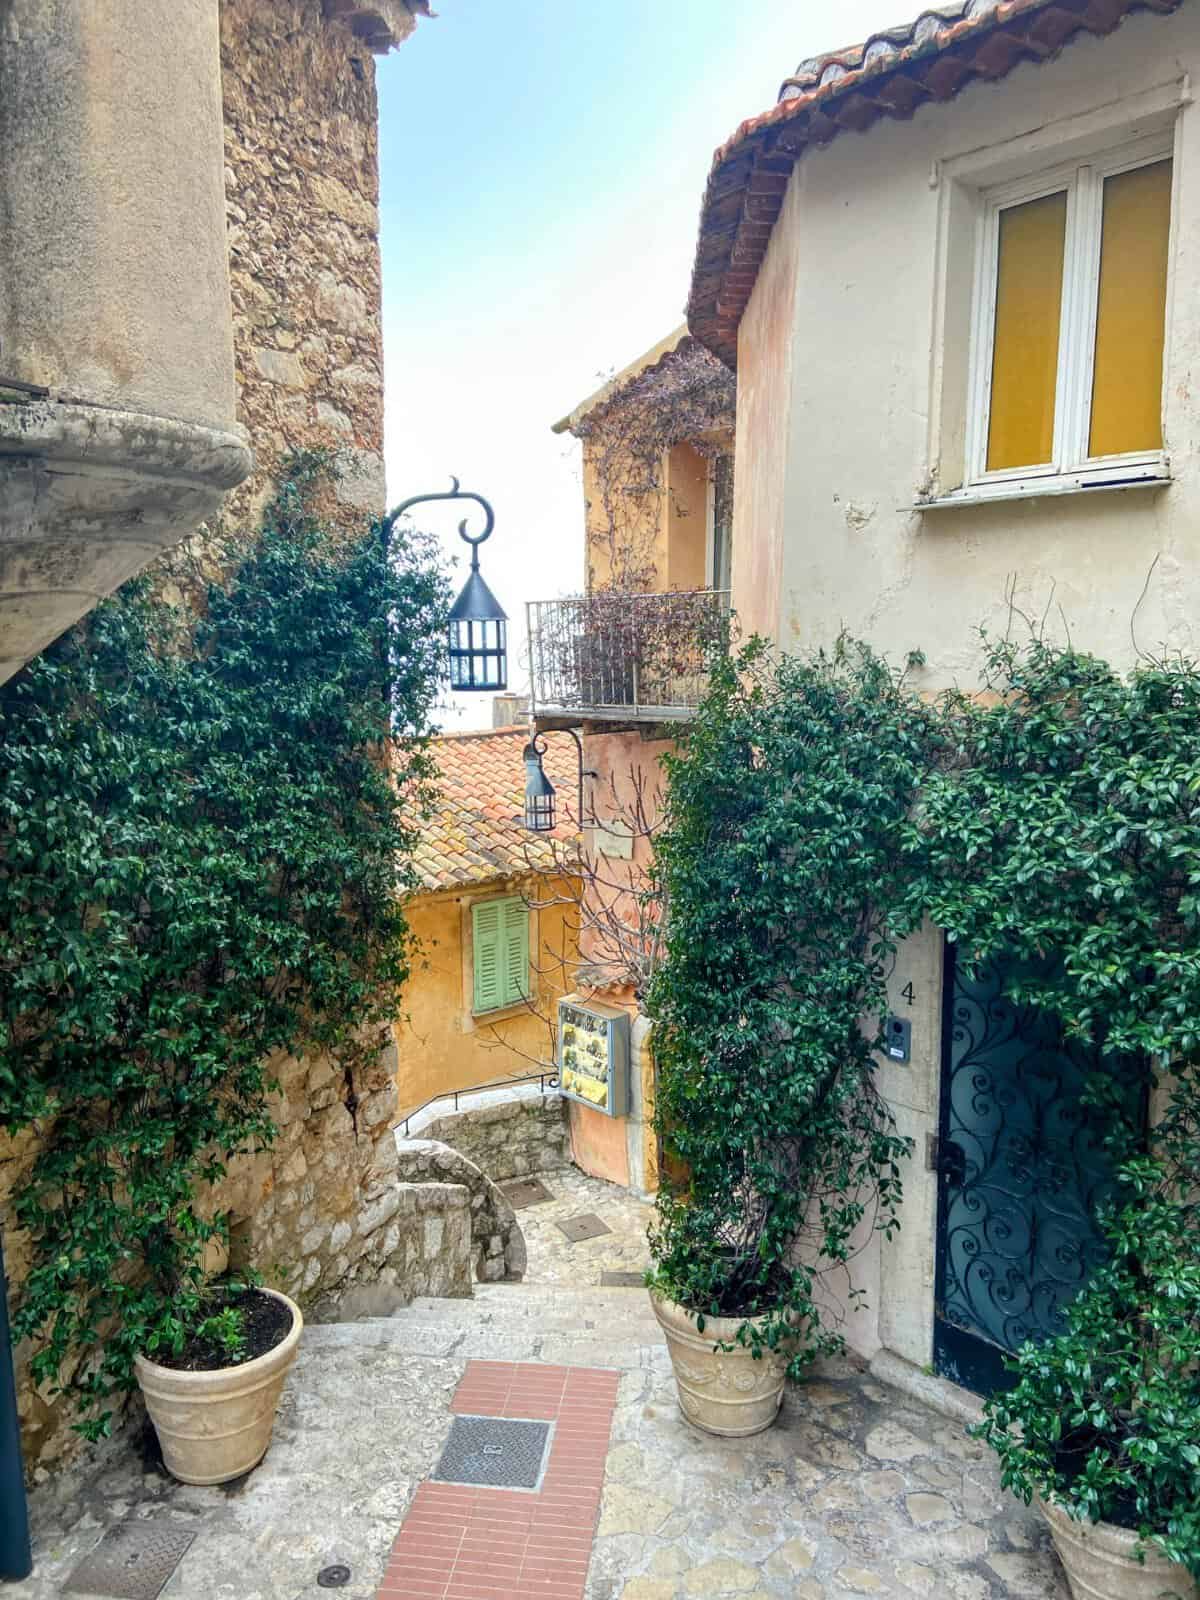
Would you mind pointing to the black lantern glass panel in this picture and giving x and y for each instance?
(478, 637)
(539, 791)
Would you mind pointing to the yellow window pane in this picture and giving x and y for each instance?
(1131, 315)
(1029, 283)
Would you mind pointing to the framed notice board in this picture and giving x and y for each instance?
(593, 1054)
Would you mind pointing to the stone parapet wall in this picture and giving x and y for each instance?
(512, 1140)
(302, 195)
(433, 1255)
(498, 1245)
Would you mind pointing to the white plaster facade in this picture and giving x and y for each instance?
(852, 358)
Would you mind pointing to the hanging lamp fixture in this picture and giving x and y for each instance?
(477, 636)
(540, 795)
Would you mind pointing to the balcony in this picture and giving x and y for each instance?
(622, 658)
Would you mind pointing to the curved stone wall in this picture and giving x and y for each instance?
(515, 1139)
(497, 1243)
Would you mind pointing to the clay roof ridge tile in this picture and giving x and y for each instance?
(808, 97)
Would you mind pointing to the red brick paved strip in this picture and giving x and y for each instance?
(464, 1543)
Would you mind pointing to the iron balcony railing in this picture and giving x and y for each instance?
(620, 657)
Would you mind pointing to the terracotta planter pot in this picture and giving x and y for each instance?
(213, 1426)
(724, 1392)
(1100, 1563)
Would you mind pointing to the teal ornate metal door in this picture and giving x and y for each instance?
(1022, 1168)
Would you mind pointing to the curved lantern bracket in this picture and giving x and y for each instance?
(540, 807)
(455, 493)
(478, 624)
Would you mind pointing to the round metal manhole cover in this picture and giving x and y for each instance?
(333, 1577)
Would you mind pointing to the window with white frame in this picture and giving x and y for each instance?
(1066, 368)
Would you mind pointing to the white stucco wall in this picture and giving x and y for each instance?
(849, 357)
(857, 407)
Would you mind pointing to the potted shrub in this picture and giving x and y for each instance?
(1103, 1426)
(783, 815)
(736, 1318)
(212, 1393)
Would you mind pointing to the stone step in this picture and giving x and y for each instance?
(465, 1341)
(611, 1328)
(561, 1312)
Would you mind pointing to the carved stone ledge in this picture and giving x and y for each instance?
(88, 497)
(380, 24)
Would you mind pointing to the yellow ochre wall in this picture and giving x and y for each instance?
(443, 1047)
(663, 530)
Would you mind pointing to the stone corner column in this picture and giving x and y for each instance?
(114, 300)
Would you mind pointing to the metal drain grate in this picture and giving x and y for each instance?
(494, 1451)
(132, 1561)
(526, 1192)
(623, 1280)
(587, 1226)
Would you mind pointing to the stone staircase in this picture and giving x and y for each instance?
(590, 1326)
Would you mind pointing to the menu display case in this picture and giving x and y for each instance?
(593, 1054)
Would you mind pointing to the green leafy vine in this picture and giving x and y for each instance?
(202, 854)
(820, 811)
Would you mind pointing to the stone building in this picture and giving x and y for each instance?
(189, 272)
(190, 288)
(953, 266)
(623, 665)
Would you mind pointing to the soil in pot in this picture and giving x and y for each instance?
(265, 1322)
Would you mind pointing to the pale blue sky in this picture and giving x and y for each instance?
(542, 164)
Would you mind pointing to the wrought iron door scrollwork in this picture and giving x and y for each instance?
(1017, 1234)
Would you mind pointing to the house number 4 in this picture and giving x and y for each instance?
(907, 993)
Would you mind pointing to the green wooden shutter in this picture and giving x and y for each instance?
(516, 952)
(500, 949)
(486, 927)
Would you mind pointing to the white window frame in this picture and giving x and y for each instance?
(1070, 466)
(712, 576)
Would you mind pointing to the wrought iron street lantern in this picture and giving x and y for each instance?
(539, 791)
(478, 631)
(540, 798)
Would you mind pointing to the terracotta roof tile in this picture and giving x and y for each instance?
(891, 75)
(477, 832)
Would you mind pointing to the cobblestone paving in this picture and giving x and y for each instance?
(360, 1424)
(553, 1259)
(854, 1491)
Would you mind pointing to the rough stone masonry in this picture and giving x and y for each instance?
(302, 198)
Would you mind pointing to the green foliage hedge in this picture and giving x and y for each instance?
(820, 811)
(202, 855)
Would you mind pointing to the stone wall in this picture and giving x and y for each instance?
(431, 1254)
(497, 1243)
(302, 194)
(511, 1140)
(324, 1211)
(320, 1212)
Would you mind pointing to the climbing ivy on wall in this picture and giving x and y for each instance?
(202, 855)
(780, 864)
(1062, 826)
(819, 812)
